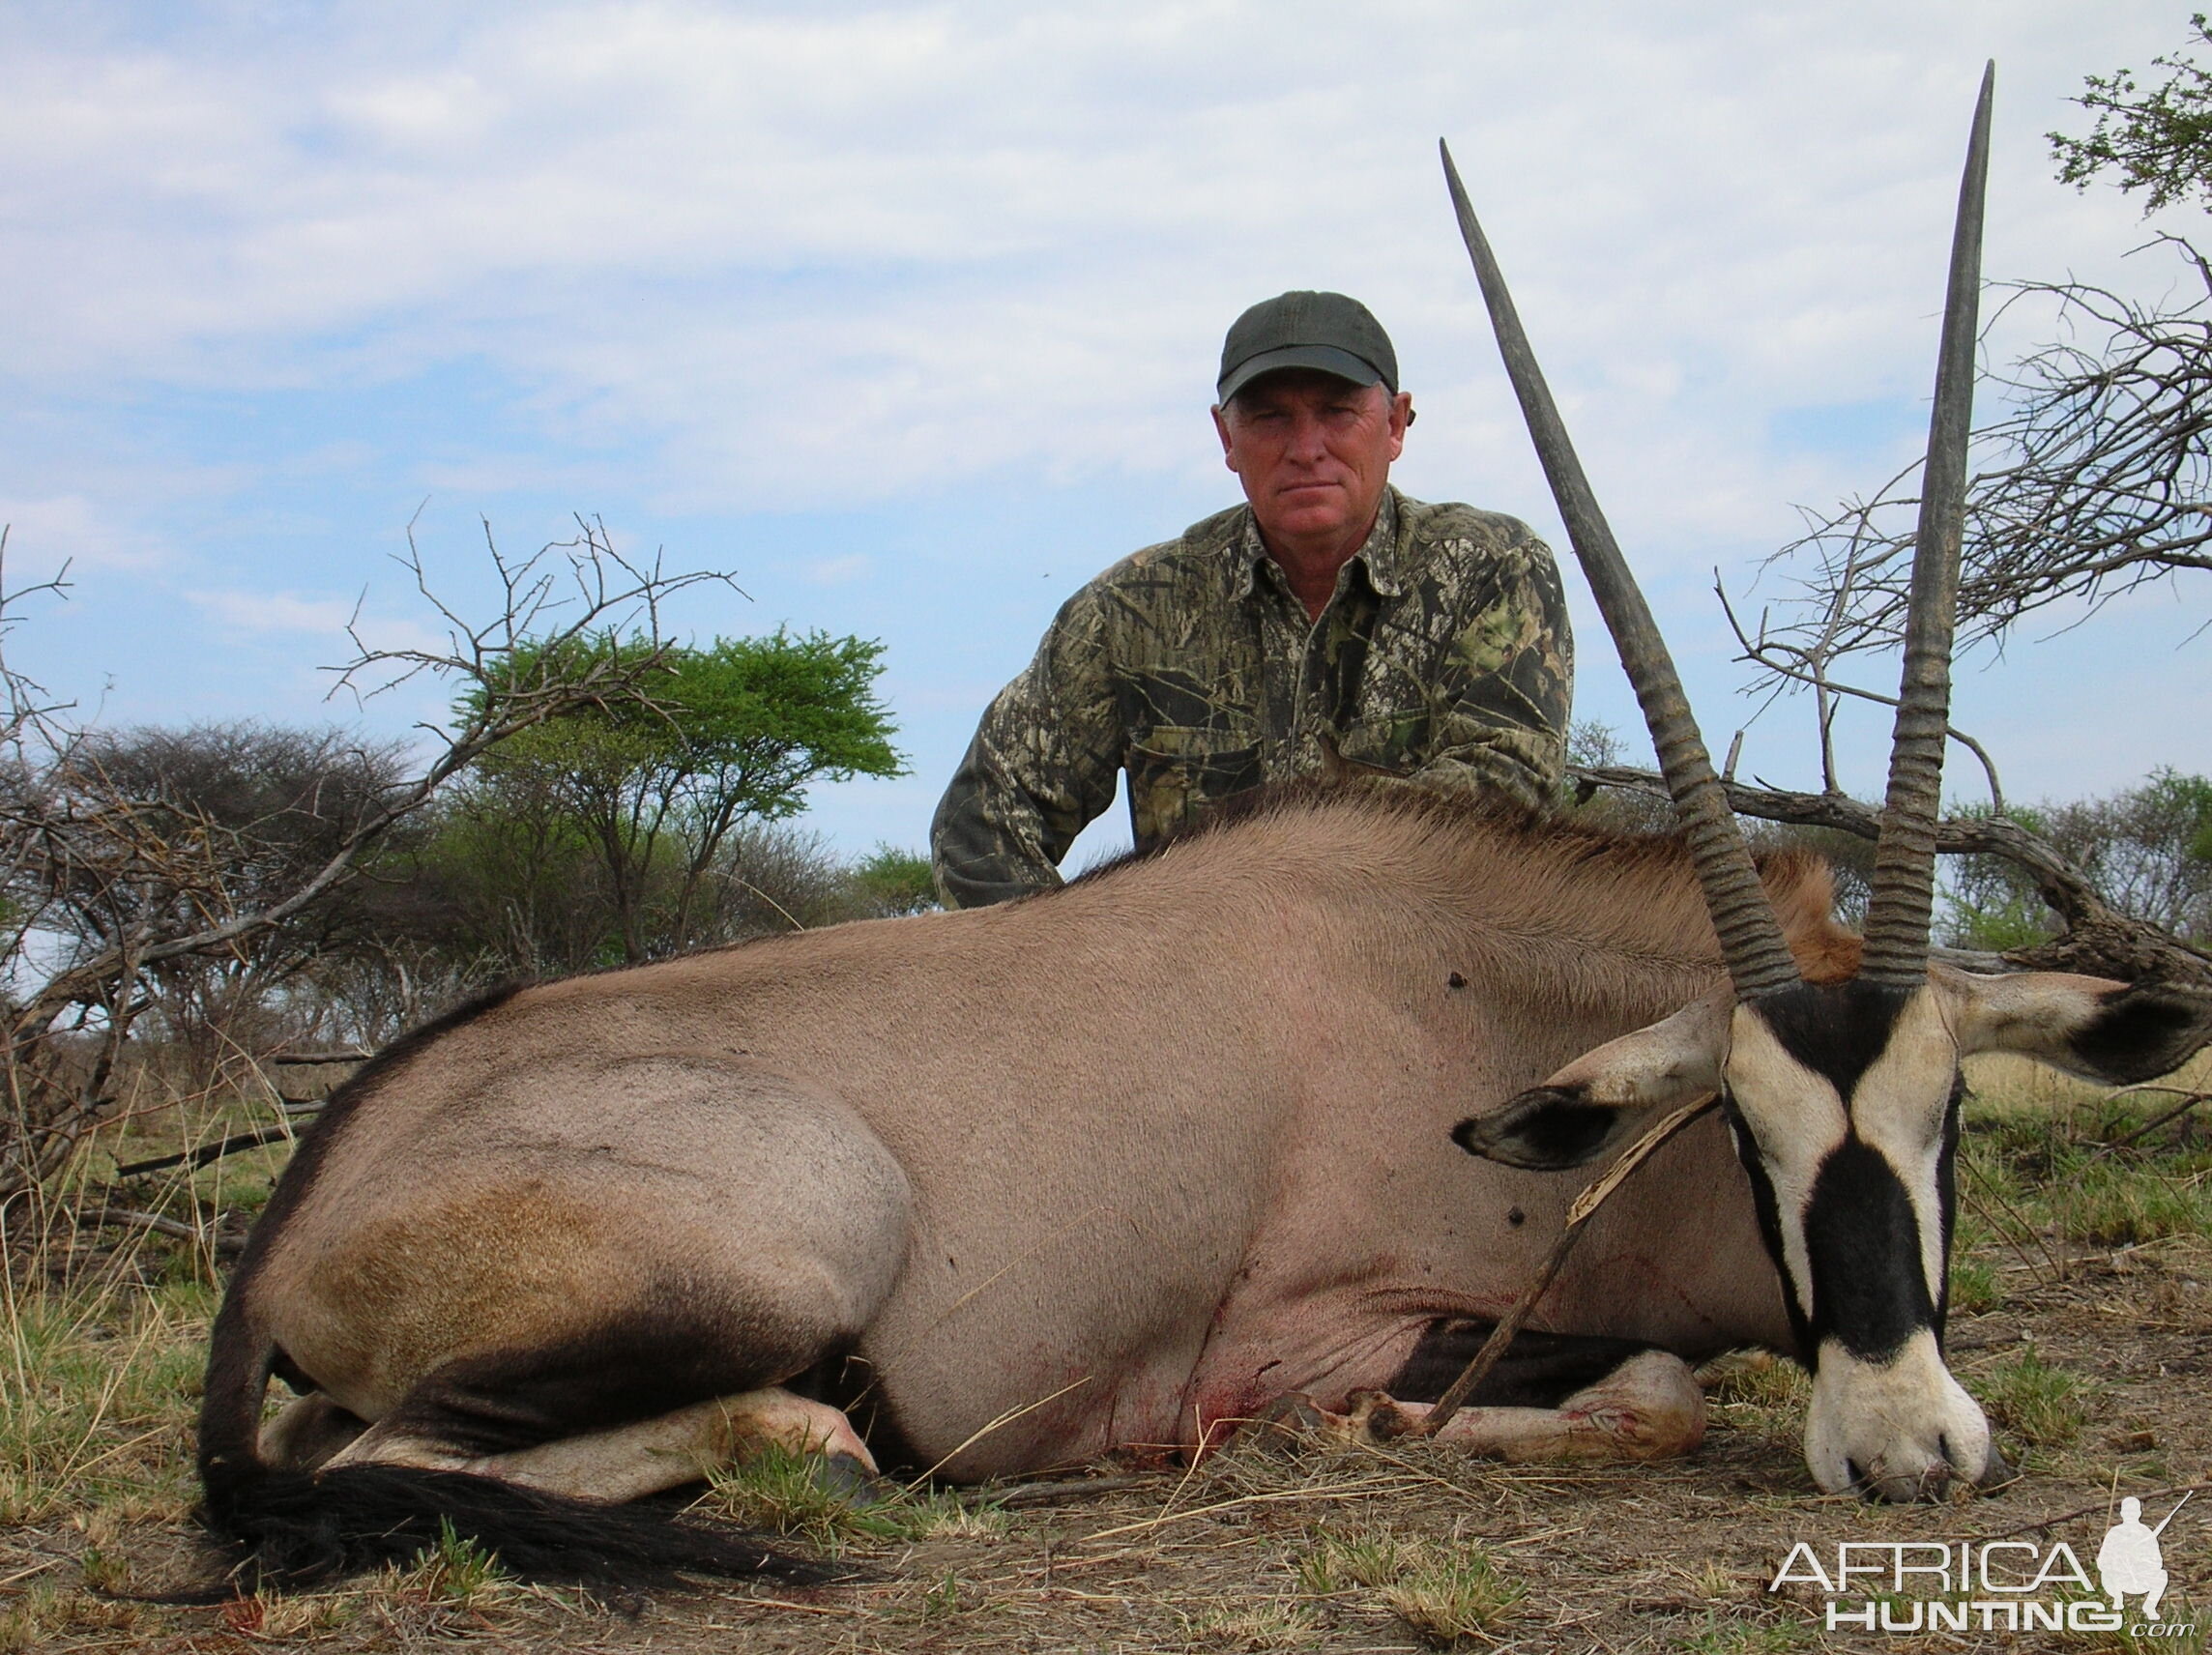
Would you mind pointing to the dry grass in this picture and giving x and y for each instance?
(2083, 1319)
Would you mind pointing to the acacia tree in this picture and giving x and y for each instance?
(268, 805)
(105, 889)
(734, 732)
(2158, 140)
(2148, 847)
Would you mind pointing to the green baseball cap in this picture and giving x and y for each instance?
(1325, 331)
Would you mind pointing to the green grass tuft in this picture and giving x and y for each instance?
(1718, 1636)
(1446, 1592)
(779, 1489)
(1451, 1596)
(1272, 1623)
(1338, 1562)
(2036, 1402)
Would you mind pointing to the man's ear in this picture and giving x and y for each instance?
(1598, 1099)
(1221, 430)
(1401, 422)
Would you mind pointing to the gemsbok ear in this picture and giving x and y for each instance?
(1596, 1101)
(2117, 1032)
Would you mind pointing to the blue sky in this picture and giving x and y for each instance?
(907, 315)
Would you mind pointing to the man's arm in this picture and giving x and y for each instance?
(1041, 767)
(1504, 689)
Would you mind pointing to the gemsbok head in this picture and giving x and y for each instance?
(1843, 1094)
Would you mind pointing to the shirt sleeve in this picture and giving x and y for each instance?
(1042, 766)
(1504, 691)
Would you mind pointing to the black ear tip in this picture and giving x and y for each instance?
(1543, 1128)
(2144, 1029)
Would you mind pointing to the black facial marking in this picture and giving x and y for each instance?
(1869, 1289)
(1538, 1370)
(1868, 1292)
(1947, 1197)
(2142, 1031)
(1834, 1029)
(1455, 980)
(1769, 1211)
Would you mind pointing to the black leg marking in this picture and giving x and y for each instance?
(653, 1361)
(1538, 1370)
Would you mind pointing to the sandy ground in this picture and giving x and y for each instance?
(1672, 1557)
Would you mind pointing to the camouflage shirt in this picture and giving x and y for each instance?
(1443, 656)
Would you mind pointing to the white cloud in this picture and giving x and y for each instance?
(840, 571)
(810, 255)
(45, 534)
(745, 259)
(275, 611)
(281, 614)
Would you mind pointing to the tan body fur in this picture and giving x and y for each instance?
(1107, 1166)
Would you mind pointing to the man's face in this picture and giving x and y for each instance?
(1313, 452)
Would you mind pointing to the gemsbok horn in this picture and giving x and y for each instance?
(1843, 1094)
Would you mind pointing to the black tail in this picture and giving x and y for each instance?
(295, 1529)
(292, 1527)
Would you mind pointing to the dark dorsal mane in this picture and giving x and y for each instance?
(1623, 868)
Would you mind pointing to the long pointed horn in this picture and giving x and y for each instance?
(1757, 959)
(1903, 884)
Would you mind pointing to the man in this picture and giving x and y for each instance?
(1329, 612)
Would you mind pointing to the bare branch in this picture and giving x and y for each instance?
(123, 885)
(2099, 938)
(2095, 482)
(1782, 661)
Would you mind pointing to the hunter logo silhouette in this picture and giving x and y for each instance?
(2130, 1560)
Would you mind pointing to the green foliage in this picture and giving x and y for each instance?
(2144, 847)
(739, 728)
(2158, 140)
(890, 881)
(646, 789)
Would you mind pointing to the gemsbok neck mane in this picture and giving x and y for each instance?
(1600, 901)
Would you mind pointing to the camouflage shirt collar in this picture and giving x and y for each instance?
(1383, 551)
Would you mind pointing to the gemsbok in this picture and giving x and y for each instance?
(991, 1191)
(1843, 1094)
